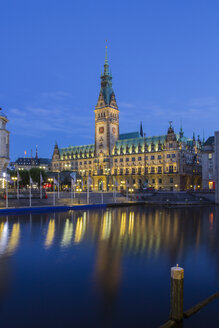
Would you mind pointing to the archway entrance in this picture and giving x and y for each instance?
(100, 184)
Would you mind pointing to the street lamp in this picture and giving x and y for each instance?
(14, 179)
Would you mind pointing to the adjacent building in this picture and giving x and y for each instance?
(4, 146)
(170, 161)
(208, 164)
(27, 163)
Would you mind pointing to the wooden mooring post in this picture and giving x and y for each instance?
(176, 295)
(177, 279)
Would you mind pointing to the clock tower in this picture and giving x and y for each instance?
(106, 116)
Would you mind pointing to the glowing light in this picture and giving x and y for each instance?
(211, 218)
(14, 238)
(67, 235)
(50, 234)
(3, 237)
(123, 225)
(80, 229)
(131, 223)
(106, 226)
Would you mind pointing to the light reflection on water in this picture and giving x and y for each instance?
(118, 260)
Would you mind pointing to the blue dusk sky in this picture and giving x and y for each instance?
(164, 57)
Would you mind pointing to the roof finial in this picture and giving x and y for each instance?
(106, 59)
(141, 129)
(181, 133)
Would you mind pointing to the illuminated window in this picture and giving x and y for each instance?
(159, 170)
(210, 156)
(210, 185)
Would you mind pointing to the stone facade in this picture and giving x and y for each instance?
(208, 164)
(170, 161)
(4, 146)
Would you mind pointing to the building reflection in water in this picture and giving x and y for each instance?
(67, 234)
(80, 228)
(4, 233)
(50, 233)
(117, 233)
(14, 238)
(9, 240)
(106, 224)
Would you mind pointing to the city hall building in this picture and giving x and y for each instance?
(131, 160)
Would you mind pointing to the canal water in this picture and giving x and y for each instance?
(107, 268)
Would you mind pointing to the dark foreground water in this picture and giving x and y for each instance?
(106, 268)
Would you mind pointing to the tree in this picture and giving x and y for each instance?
(35, 174)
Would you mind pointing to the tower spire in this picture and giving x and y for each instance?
(181, 133)
(106, 65)
(106, 57)
(141, 129)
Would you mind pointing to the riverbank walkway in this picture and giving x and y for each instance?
(67, 202)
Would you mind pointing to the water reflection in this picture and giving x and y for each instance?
(4, 232)
(50, 233)
(14, 238)
(67, 234)
(80, 228)
(119, 238)
(140, 231)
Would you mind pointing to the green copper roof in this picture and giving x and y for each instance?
(79, 150)
(106, 82)
(129, 135)
(139, 141)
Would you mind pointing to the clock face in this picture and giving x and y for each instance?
(114, 130)
(101, 130)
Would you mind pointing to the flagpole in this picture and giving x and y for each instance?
(88, 182)
(18, 185)
(58, 185)
(6, 190)
(41, 195)
(71, 189)
(54, 196)
(115, 189)
(30, 191)
(102, 193)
